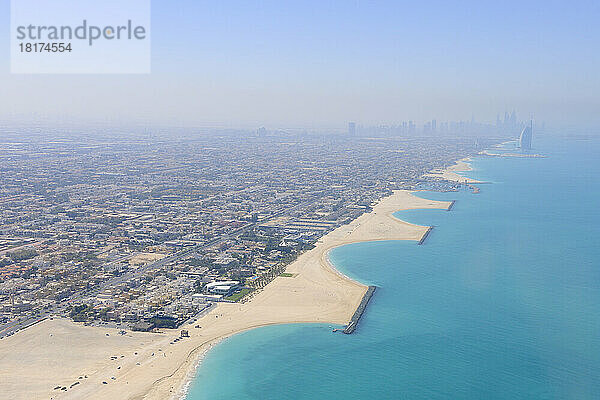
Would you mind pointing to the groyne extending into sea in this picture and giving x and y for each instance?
(351, 327)
(425, 235)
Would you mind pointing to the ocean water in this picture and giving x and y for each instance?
(502, 301)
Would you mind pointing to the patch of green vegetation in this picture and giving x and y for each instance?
(5, 261)
(286, 275)
(21, 255)
(164, 322)
(238, 295)
(81, 312)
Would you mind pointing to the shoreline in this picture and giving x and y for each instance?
(318, 293)
(452, 172)
(328, 264)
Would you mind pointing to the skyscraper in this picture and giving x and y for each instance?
(525, 138)
(513, 120)
(351, 128)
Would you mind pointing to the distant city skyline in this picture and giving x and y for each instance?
(509, 125)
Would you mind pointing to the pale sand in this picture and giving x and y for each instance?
(32, 363)
(450, 173)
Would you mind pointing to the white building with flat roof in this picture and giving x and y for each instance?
(222, 287)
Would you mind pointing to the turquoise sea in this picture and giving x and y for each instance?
(502, 301)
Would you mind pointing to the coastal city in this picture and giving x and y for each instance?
(303, 200)
(148, 231)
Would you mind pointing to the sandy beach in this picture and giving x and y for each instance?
(99, 363)
(451, 173)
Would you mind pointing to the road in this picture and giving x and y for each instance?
(14, 326)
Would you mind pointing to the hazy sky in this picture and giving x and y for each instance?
(322, 63)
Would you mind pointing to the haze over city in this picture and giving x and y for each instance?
(316, 65)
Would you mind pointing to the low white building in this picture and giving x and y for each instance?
(222, 287)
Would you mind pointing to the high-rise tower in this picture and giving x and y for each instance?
(525, 138)
(351, 128)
